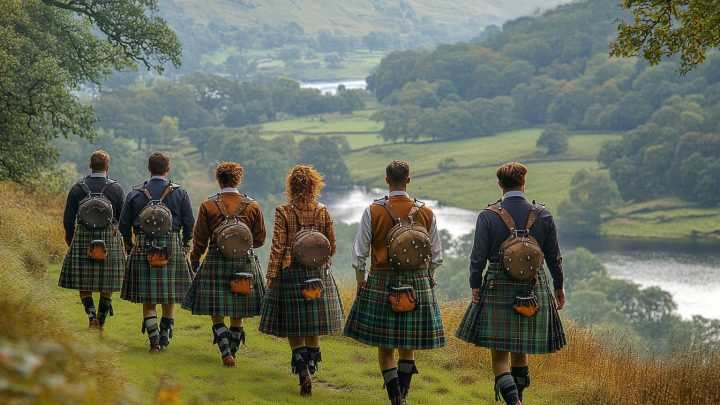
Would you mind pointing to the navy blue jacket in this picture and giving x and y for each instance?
(491, 232)
(178, 202)
(114, 192)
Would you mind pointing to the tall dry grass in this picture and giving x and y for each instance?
(597, 367)
(41, 359)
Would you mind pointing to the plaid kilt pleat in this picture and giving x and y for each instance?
(285, 313)
(493, 323)
(156, 285)
(372, 320)
(80, 273)
(210, 294)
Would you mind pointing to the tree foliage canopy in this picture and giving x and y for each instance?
(663, 28)
(48, 48)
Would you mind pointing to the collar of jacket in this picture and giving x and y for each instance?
(511, 194)
(229, 190)
(399, 193)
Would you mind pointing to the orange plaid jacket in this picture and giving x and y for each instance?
(287, 225)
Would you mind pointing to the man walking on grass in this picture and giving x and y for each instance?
(395, 307)
(95, 259)
(513, 311)
(159, 214)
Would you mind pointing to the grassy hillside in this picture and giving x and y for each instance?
(472, 184)
(349, 17)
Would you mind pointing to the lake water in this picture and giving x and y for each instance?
(689, 271)
(331, 87)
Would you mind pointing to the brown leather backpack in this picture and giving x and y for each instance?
(408, 242)
(156, 218)
(95, 211)
(310, 248)
(520, 254)
(232, 237)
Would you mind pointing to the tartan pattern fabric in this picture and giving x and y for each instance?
(80, 273)
(493, 323)
(285, 313)
(210, 294)
(372, 320)
(156, 285)
(287, 225)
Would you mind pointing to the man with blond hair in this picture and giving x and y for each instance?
(95, 193)
(514, 316)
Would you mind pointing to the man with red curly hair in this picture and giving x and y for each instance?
(211, 292)
(494, 319)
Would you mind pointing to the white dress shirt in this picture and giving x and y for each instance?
(361, 247)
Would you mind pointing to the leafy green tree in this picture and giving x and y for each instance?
(592, 196)
(323, 153)
(581, 264)
(663, 28)
(555, 138)
(49, 48)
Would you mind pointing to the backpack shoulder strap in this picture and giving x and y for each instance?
(221, 206)
(108, 182)
(417, 205)
(534, 213)
(385, 202)
(83, 185)
(504, 215)
(243, 204)
(169, 189)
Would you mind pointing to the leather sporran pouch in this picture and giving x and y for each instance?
(402, 298)
(526, 306)
(158, 256)
(312, 289)
(97, 250)
(242, 283)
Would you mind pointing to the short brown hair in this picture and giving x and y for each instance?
(303, 184)
(512, 175)
(229, 174)
(158, 163)
(397, 171)
(99, 161)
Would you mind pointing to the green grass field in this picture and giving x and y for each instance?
(348, 374)
(473, 184)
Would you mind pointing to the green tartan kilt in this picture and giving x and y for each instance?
(285, 313)
(493, 323)
(372, 320)
(80, 273)
(210, 294)
(156, 285)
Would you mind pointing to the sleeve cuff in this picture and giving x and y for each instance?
(360, 275)
(475, 280)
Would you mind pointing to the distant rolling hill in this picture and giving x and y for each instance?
(293, 37)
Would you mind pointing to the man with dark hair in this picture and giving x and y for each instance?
(157, 270)
(80, 271)
(514, 317)
(372, 319)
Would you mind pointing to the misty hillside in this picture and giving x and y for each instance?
(232, 36)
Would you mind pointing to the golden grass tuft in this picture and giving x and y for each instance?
(41, 359)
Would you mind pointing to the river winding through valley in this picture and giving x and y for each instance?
(689, 271)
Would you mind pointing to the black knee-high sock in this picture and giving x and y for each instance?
(221, 336)
(299, 362)
(237, 336)
(314, 358)
(406, 368)
(521, 375)
(392, 385)
(104, 309)
(505, 387)
(89, 305)
(166, 331)
(150, 324)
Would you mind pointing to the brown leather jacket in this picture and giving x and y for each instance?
(210, 217)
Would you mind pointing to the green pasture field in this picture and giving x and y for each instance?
(192, 369)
